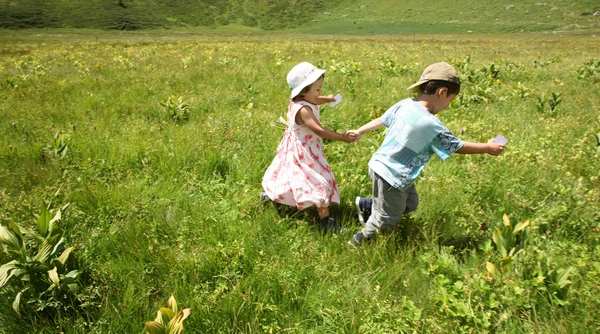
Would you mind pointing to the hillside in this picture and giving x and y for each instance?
(138, 15)
(364, 17)
(360, 17)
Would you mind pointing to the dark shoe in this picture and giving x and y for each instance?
(328, 224)
(356, 239)
(264, 197)
(363, 208)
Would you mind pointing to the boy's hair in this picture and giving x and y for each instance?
(430, 87)
(305, 89)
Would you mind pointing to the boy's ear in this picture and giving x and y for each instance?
(442, 90)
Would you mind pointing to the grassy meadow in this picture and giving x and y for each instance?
(159, 143)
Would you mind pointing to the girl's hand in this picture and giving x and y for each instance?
(349, 138)
(353, 134)
(325, 98)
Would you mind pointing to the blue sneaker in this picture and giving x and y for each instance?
(356, 239)
(363, 208)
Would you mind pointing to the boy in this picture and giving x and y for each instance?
(414, 134)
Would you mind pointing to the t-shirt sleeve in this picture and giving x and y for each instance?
(445, 143)
(389, 117)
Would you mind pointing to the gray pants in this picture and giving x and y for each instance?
(389, 204)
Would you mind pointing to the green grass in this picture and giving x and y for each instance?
(165, 207)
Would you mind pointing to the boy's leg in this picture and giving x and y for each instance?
(412, 202)
(389, 204)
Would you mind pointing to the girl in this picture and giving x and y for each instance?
(300, 175)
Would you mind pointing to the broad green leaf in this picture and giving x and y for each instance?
(73, 287)
(159, 318)
(153, 327)
(520, 226)
(58, 246)
(508, 238)
(73, 273)
(8, 238)
(506, 262)
(186, 313)
(562, 278)
(174, 322)
(177, 328)
(7, 271)
(17, 303)
(173, 304)
(18, 231)
(43, 220)
(52, 222)
(162, 318)
(65, 255)
(498, 240)
(167, 312)
(44, 252)
(493, 271)
(506, 220)
(53, 274)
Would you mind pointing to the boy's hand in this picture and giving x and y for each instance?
(494, 148)
(354, 134)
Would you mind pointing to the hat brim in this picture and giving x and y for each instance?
(415, 87)
(314, 76)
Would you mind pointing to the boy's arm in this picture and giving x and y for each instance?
(371, 126)
(324, 99)
(490, 147)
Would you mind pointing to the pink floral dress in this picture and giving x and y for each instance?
(300, 175)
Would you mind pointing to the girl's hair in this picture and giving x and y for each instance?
(305, 89)
(430, 87)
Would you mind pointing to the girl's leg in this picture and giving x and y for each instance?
(323, 212)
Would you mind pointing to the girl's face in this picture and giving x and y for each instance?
(314, 91)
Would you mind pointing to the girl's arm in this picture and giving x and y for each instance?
(306, 116)
(325, 99)
(490, 147)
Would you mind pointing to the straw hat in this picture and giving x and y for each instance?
(438, 71)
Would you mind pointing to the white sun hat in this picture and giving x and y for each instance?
(301, 76)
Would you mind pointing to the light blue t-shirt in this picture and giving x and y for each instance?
(413, 136)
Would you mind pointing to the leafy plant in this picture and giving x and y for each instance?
(169, 320)
(176, 108)
(60, 145)
(522, 91)
(507, 240)
(541, 102)
(388, 65)
(552, 102)
(39, 262)
(589, 70)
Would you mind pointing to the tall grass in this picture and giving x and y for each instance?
(170, 206)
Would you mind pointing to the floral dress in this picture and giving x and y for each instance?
(300, 175)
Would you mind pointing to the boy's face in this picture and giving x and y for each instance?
(447, 100)
(314, 91)
(444, 100)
